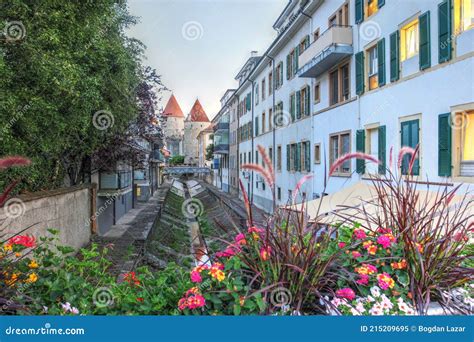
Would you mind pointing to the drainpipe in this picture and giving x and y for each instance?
(273, 128)
(253, 133)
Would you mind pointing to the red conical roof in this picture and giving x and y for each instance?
(172, 108)
(197, 113)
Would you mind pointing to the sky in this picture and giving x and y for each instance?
(198, 46)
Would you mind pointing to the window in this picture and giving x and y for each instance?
(372, 7)
(341, 17)
(278, 157)
(304, 101)
(305, 154)
(270, 83)
(409, 40)
(463, 15)
(264, 123)
(340, 144)
(279, 193)
(290, 194)
(463, 143)
(270, 119)
(250, 157)
(279, 75)
(317, 153)
(256, 157)
(292, 157)
(316, 35)
(317, 93)
(339, 85)
(372, 148)
(245, 158)
(263, 89)
(304, 44)
(372, 69)
(256, 94)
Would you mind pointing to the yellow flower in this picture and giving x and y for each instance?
(33, 264)
(32, 278)
(8, 248)
(242, 300)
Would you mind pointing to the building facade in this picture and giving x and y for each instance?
(173, 125)
(359, 75)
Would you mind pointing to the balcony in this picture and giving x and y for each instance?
(221, 126)
(221, 148)
(327, 51)
(115, 180)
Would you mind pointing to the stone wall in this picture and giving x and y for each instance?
(68, 210)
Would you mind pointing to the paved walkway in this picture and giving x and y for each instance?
(126, 238)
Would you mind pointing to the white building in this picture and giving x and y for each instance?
(360, 75)
(195, 122)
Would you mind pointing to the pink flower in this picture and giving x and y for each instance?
(182, 304)
(196, 301)
(196, 277)
(363, 279)
(385, 281)
(382, 230)
(359, 234)
(341, 244)
(386, 240)
(346, 293)
(356, 254)
(240, 239)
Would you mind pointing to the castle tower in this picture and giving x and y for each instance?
(196, 122)
(174, 126)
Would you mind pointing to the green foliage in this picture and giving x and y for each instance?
(176, 160)
(209, 151)
(73, 61)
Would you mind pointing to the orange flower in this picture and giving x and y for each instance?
(399, 265)
(372, 250)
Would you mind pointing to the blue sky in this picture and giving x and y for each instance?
(198, 46)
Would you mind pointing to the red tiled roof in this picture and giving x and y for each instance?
(197, 113)
(173, 109)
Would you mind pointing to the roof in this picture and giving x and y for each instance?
(172, 108)
(197, 113)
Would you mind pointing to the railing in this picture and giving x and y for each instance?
(221, 148)
(115, 180)
(221, 126)
(336, 34)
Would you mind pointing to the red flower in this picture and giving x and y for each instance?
(23, 240)
(139, 299)
(341, 244)
(131, 278)
(265, 253)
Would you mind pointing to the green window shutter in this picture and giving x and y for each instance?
(382, 149)
(287, 157)
(425, 46)
(306, 41)
(380, 3)
(247, 102)
(292, 107)
(307, 161)
(359, 11)
(256, 126)
(298, 157)
(281, 74)
(410, 137)
(444, 31)
(360, 147)
(394, 56)
(298, 104)
(308, 100)
(381, 61)
(297, 55)
(444, 145)
(288, 63)
(359, 60)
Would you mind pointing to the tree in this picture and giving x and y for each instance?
(63, 66)
(209, 151)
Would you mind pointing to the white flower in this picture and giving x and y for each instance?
(45, 309)
(75, 311)
(376, 310)
(355, 312)
(66, 307)
(375, 291)
(360, 307)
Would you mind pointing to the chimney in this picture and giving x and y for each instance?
(253, 53)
